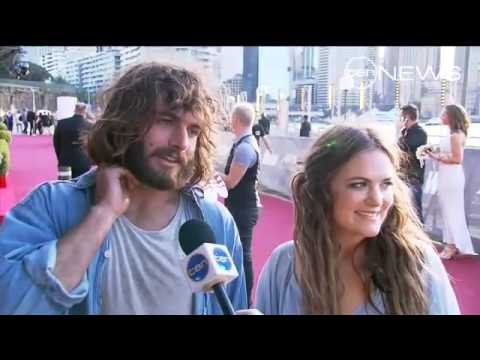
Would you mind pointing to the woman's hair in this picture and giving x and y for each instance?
(457, 118)
(394, 259)
(130, 105)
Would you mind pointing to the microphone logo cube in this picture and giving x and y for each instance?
(222, 259)
(208, 265)
(197, 268)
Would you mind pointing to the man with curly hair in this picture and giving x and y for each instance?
(107, 241)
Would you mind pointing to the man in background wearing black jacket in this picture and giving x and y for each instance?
(412, 137)
(66, 140)
(305, 127)
(265, 123)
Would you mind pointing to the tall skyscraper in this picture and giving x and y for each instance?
(390, 64)
(422, 58)
(416, 67)
(250, 72)
(339, 59)
(309, 61)
(466, 91)
(323, 84)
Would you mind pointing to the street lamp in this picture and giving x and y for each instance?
(331, 98)
(397, 94)
(33, 97)
(346, 84)
(443, 92)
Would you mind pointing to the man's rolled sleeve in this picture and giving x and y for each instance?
(40, 265)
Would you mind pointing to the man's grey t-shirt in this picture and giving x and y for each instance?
(246, 153)
(144, 273)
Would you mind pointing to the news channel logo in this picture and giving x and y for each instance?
(360, 72)
(222, 259)
(197, 267)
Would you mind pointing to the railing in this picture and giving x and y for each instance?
(289, 151)
(37, 85)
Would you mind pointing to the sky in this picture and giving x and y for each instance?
(273, 74)
(232, 61)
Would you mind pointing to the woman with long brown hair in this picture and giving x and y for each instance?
(451, 183)
(358, 245)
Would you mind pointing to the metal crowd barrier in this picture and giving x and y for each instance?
(288, 153)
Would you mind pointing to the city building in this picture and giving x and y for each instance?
(466, 91)
(338, 62)
(34, 53)
(309, 57)
(203, 59)
(250, 72)
(97, 69)
(417, 69)
(234, 85)
(424, 63)
(317, 71)
(54, 59)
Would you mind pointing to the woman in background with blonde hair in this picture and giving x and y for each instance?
(451, 183)
(358, 245)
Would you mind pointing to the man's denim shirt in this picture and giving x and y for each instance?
(28, 250)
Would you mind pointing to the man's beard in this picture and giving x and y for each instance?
(136, 161)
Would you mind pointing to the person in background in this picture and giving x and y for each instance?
(32, 119)
(241, 180)
(306, 127)
(67, 142)
(412, 136)
(19, 122)
(9, 121)
(260, 135)
(265, 123)
(24, 121)
(451, 183)
(358, 246)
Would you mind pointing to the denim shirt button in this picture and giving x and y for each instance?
(108, 254)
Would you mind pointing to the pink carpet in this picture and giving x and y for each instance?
(34, 161)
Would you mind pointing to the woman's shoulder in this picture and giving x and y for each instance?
(431, 255)
(274, 295)
(283, 252)
(458, 135)
(279, 264)
(442, 298)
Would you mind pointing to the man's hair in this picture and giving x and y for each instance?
(410, 110)
(305, 117)
(130, 110)
(245, 113)
(394, 259)
(80, 107)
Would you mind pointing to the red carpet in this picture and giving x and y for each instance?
(7, 199)
(33, 161)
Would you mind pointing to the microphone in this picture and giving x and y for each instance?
(208, 266)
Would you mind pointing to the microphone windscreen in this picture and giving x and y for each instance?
(194, 233)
